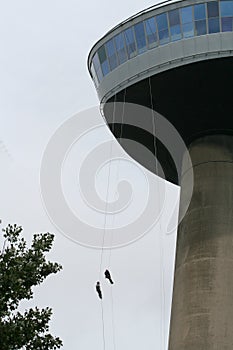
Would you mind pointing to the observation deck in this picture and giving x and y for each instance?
(185, 48)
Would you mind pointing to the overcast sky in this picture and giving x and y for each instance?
(44, 81)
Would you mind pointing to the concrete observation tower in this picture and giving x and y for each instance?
(180, 56)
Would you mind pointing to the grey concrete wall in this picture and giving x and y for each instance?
(202, 307)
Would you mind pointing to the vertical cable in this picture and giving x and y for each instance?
(107, 195)
(110, 247)
(104, 233)
(163, 339)
(117, 174)
(103, 328)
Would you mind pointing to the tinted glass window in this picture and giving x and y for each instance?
(163, 36)
(227, 24)
(110, 48)
(162, 21)
(188, 30)
(102, 54)
(174, 17)
(103, 60)
(94, 75)
(200, 27)
(111, 53)
(214, 25)
(163, 28)
(174, 21)
(199, 11)
(175, 33)
(187, 14)
(130, 42)
(97, 66)
(140, 37)
(226, 8)
(96, 62)
(105, 67)
(120, 47)
(212, 9)
(150, 28)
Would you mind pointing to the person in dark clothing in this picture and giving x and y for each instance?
(98, 289)
(108, 276)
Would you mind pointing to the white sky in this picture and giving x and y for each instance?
(44, 81)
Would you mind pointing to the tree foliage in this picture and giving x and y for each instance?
(22, 268)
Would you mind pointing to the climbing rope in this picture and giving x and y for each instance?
(163, 339)
(103, 241)
(113, 222)
(103, 328)
(117, 174)
(107, 195)
(105, 223)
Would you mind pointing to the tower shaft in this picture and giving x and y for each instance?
(202, 307)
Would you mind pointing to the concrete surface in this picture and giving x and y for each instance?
(202, 307)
